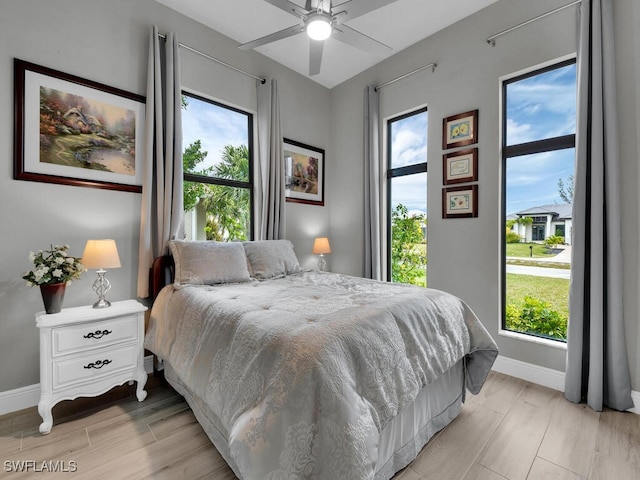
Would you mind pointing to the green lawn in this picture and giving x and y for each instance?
(554, 291)
(545, 312)
(523, 250)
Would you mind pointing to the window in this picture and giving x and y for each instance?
(538, 155)
(407, 190)
(217, 157)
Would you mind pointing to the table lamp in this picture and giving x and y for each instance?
(320, 247)
(101, 254)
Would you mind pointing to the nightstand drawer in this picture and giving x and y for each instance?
(85, 336)
(94, 365)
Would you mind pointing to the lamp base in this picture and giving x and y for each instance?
(101, 286)
(102, 303)
(322, 263)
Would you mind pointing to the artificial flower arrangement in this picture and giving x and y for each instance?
(53, 266)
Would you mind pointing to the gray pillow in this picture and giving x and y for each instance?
(208, 263)
(271, 258)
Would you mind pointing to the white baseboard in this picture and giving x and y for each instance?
(20, 398)
(635, 396)
(26, 397)
(546, 377)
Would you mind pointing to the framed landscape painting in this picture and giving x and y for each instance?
(304, 173)
(73, 131)
(459, 130)
(460, 202)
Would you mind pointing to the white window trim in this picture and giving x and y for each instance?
(533, 339)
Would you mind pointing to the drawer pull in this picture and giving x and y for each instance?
(98, 334)
(99, 364)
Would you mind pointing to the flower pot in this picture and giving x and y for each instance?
(52, 296)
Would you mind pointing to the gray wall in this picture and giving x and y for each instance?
(464, 255)
(107, 41)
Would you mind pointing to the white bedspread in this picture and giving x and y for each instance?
(300, 373)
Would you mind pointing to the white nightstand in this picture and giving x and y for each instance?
(86, 351)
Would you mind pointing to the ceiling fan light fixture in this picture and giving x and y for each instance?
(319, 26)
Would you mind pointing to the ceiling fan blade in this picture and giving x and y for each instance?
(360, 40)
(355, 8)
(315, 56)
(287, 32)
(289, 7)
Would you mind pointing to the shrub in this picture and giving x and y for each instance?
(513, 237)
(408, 262)
(553, 240)
(536, 317)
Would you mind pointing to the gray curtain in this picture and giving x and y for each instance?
(597, 364)
(162, 201)
(372, 231)
(270, 191)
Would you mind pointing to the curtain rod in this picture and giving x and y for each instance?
(187, 47)
(433, 69)
(492, 39)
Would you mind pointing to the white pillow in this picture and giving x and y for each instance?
(271, 258)
(208, 263)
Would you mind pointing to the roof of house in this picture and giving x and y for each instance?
(563, 211)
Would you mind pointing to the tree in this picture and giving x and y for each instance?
(408, 259)
(525, 220)
(566, 190)
(193, 191)
(228, 208)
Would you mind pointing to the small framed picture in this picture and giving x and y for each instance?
(459, 130)
(304, 173)
(460, 202)
(460, 166)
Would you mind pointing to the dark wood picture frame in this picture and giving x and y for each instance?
(460, 166)
(460, 202)
(76, 137)
(460, 130)
(304, 173)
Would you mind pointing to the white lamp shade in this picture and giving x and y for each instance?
(101, 254)
(319, 27)
(321, 245)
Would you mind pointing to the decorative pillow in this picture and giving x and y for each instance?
(271, 258)
(207, 263)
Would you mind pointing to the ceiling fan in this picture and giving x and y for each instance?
(321, 20)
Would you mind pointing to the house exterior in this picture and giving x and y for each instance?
(547, 220)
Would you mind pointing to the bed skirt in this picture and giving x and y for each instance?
(399, 443)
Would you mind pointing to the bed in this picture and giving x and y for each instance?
(310, 375)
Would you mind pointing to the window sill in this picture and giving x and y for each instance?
(533, 339)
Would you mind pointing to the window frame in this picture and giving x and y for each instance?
(250, 185)
(399, 172)
(558, 143)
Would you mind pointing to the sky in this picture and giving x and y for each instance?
(409, 146)
(540, 107)
(214, 126)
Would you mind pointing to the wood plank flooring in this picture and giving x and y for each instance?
(512, 430)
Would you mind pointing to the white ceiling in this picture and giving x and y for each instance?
(397, 25)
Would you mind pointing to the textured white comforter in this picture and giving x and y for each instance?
(300, 373)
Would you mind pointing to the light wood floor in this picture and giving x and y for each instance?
(511, 430)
